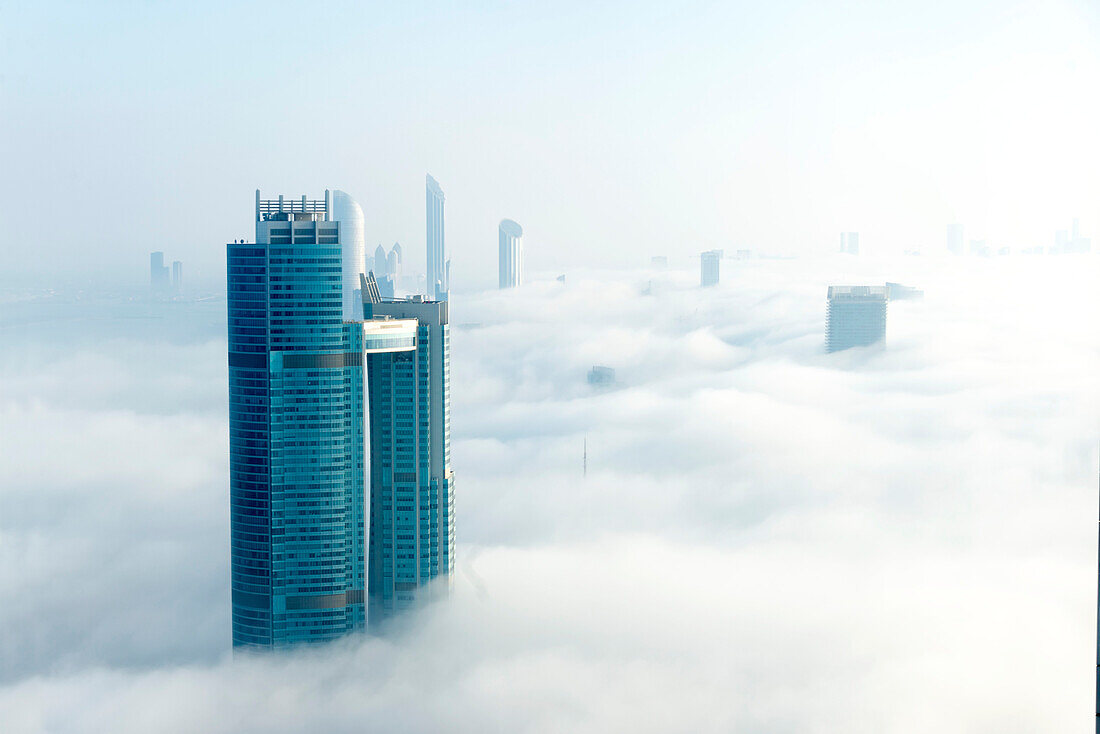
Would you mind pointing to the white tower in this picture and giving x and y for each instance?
(353, 250)
(511, 254)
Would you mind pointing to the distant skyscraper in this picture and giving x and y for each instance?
(177, 276)
(856, 316)
(396, 260)
(1074, 243)
(437, 274)
(658, 262)
(709, 263)
(601, 375)
(849, 242)
(380, 262)
(158, 272)
(955, 239)
(412, 537)
(979, 248)
(511, 254)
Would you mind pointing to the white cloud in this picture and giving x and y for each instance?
(768, 538)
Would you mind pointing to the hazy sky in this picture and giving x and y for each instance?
(610, 133)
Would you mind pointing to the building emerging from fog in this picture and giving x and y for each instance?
(849, 243)
(411, 535)
(437, 264)
(158, 272)
(177, 276)
(601, 375)
(387, 269)
(709, 263)
(300, 418)
(511, 254)
(856, 316)
(955, 239)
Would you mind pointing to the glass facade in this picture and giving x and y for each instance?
(856, 317)
(340, 482)
(412, 486)
(296, 437)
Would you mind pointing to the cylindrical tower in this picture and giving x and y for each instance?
(353, 250)
(511, 254)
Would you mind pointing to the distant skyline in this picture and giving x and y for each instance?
(611, 133)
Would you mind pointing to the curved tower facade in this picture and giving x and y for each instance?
(296, 429)
(379, 261)
(511, 254)
(353, 249)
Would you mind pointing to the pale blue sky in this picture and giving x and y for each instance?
(610, 133)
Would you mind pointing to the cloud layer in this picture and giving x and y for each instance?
(768, 538)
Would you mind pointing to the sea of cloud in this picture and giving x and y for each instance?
(767, 538)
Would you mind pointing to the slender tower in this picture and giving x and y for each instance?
(411, 515)
(511, 254)
(437, 274)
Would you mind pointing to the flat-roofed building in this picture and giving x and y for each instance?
(856, 316)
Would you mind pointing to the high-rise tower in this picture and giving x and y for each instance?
(856, 316)
(849, 242)
(709, 263)
(353, 248)
(955, 239)
(511, 254)
(303, 444)
(297, 435)
(158, 272)
(412, 537)
(437, 274)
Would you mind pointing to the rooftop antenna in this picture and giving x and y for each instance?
(1098, 644)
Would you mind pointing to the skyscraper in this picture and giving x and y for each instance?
(158, 272)
(437, 274)
(849, 242)
(379, 261)
(353, 248)
(177, 276)
(709, 263)
(412, 485)
(511, 254)
(955, 239)
(394, 261)
(856, 316)
(303, 442)
(297, 431)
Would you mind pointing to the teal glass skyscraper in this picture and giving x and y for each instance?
(301, 356)
(412, 530)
